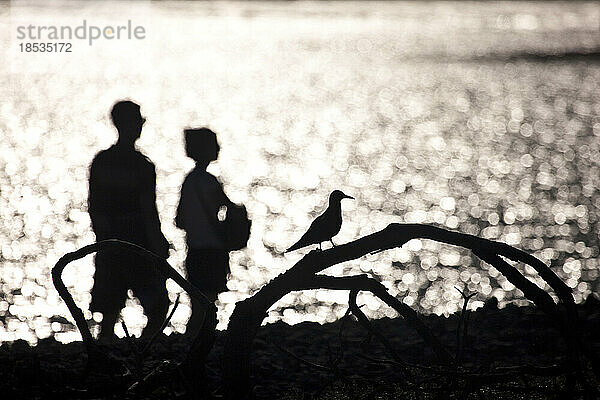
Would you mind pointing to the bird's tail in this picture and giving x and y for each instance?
(293, 247)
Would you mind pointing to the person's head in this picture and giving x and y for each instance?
(201, 145)
(127, 119)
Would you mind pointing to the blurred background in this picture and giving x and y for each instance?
(481, 117)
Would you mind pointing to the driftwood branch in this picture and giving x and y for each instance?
(248, 314)
(161, 265)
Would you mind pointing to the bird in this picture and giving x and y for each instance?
(326, 225)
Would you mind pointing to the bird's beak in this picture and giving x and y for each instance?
(348, 197)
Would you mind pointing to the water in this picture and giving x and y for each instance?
(412, 108)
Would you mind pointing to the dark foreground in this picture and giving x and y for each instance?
(334, 361)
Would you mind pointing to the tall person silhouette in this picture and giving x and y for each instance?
(202, 196)
(122, 205)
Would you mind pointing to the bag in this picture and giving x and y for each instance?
(235, 228)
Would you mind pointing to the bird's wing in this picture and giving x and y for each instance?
(331, 222)
(313, 235)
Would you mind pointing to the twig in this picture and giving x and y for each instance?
(163, 326)
(302, 360)
(462, 321)
(137, 356)
(362, 318)
(141, 355)
(336, 361)
(125, 330)
(499, 372)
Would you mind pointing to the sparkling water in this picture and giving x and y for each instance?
(461, 115)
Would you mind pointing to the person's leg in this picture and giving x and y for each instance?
(107, 326)
(207, 270)
(109, 292)
(195, 322)
(150, 288)
(156, 311)
(196, 265)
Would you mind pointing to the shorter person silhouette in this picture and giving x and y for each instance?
(202, 197)
(122, 205)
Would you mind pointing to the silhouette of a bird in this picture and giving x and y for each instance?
(326, 225)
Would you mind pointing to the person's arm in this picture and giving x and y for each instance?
(179, 215)
(179, 218)
(100, 221)
(157, 241)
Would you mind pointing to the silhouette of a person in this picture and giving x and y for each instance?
(122, 205)
(202, 196)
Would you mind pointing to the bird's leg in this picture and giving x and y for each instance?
(333, 244)
(320, 249)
